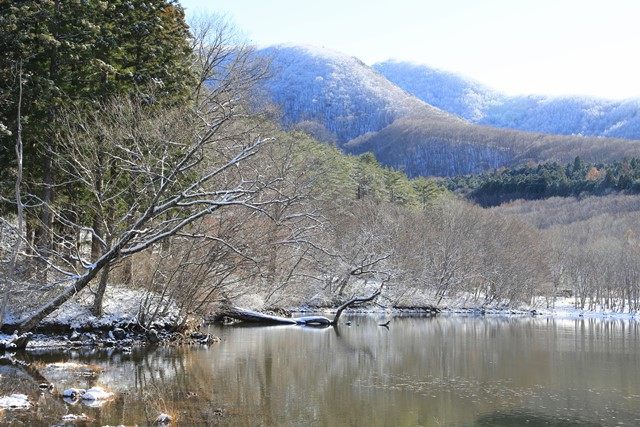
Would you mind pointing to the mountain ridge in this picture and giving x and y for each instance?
(478, 103)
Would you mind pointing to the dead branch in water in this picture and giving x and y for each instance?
(251, 316)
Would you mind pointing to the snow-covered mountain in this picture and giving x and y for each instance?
(338, 98)
(317, 86)
(450, 92)
(477, 103)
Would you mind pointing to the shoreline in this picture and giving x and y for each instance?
(557, 313)
(123, 335)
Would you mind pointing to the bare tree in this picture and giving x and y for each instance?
(164, 170)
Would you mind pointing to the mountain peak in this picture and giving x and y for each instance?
(339, 91)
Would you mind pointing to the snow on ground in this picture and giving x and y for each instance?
(565, 307)
(75, 418)
(120, 305)
(15, 401)
(561, 308)
(465, 303)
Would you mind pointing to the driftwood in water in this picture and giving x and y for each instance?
(251, 316)
(267, 319)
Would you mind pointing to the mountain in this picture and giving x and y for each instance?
(450, 92)
(477, 103)
(338, 98)
(320, 87)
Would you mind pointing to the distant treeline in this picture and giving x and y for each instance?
(551, 179)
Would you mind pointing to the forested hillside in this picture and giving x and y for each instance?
(479, 104)
(450, 92)
(424, 147)
(550, 179)
(593, 246)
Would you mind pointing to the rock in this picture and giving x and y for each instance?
(197, 335)
(108, 343)
(96, 393)
(75, 336)
(208, 339)
(16, 341)
(21, 341)
(73, 418)
(152, 336)
(73, 393)
(163, 419)
(119, 334)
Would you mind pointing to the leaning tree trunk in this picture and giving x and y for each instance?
(251, 316)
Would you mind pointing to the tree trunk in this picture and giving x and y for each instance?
(251, 316)
(29, 323)
(96, 248)
(11, 276)
(46, 219)
(96, 310)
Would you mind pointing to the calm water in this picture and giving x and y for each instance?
(448, 371)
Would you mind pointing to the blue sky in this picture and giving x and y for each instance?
(553, 47)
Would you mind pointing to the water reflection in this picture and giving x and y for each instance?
(445, 371)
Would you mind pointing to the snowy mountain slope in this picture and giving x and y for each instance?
(480, 104)
(448, 91)
(337, 91)
(569, 116)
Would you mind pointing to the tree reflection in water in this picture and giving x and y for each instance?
(451, 371)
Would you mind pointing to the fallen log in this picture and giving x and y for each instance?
(251, 316)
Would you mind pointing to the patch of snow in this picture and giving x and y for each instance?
(565, 308)
(66, 365)
(120, 305)
(15, 401)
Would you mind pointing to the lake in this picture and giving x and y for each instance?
(442, 371)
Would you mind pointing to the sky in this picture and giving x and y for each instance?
(545, 47)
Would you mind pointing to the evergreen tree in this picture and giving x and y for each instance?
(78, 53)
